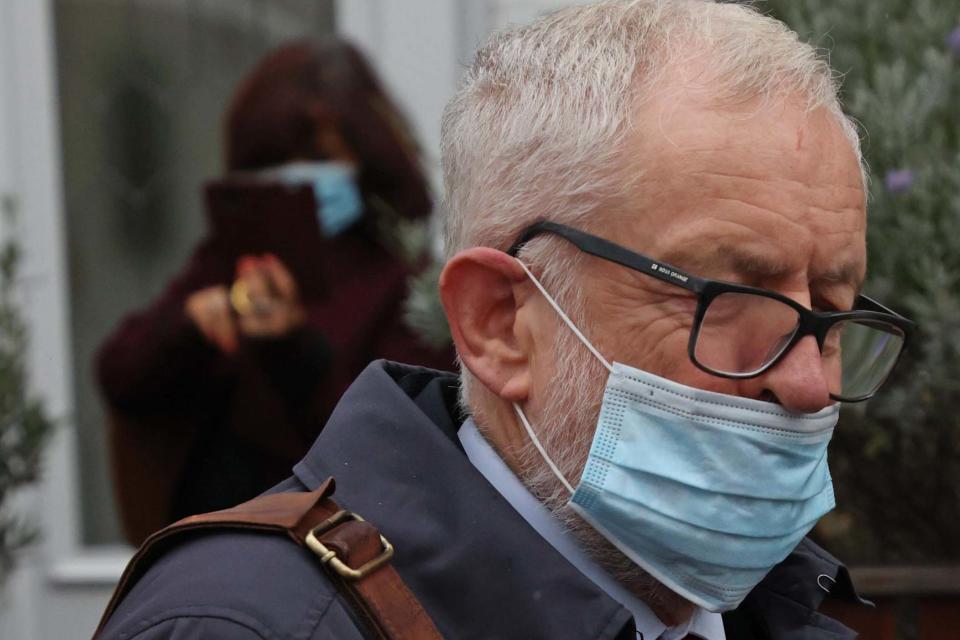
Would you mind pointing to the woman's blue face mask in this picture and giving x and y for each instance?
(334, 184)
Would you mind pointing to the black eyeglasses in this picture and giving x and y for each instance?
(741, 331)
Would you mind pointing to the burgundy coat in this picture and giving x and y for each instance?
(193, 429)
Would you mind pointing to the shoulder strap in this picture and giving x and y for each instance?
(354, 552)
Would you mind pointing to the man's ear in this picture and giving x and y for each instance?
(478, 288)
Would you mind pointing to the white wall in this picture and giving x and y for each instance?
(421, 47)
(418, 48)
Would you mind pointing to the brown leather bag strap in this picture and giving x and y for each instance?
(354, 552)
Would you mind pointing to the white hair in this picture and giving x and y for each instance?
(538, 126)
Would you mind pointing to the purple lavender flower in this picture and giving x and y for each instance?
(898, 180)
(953, 41)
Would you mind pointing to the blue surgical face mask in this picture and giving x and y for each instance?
(334, 184)
(705, 491)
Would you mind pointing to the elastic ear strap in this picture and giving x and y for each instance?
(565, 318)
(543, 452)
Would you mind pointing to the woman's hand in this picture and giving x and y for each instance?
(210, 311)
(266, 298)
(263, 302)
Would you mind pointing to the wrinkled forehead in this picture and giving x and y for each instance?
(766, 137)
(766, 175)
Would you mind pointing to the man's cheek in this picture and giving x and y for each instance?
(660, 349)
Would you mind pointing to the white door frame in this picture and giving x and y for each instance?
(59, 585)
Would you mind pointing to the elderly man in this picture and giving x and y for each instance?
(655, 231)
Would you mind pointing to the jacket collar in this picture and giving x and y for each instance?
(391, 444)
(784, 605)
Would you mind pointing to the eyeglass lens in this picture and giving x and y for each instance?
(742, 333)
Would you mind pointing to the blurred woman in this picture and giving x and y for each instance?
(219, 386)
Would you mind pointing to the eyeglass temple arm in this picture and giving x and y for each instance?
(865, 303)
(607, 250)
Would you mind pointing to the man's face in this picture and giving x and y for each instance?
(770, 197)
(767, 196)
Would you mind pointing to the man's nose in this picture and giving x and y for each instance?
(798, 382)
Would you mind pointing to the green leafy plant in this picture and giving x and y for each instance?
(423, 311)
(24, 425)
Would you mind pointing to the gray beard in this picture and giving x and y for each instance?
(565, 429)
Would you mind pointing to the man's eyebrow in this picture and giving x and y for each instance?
(727, 257)
(848, 273)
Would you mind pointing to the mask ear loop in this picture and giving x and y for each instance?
(523, 418)
(536, 442)
(565, 318)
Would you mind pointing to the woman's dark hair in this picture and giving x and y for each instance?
(304, 85)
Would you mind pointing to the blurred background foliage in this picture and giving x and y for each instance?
(896, 459)
(25, 426)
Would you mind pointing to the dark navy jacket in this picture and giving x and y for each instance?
(477, 567)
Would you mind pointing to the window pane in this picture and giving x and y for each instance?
(142, 85)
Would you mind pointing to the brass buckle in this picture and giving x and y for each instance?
(329, 557)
